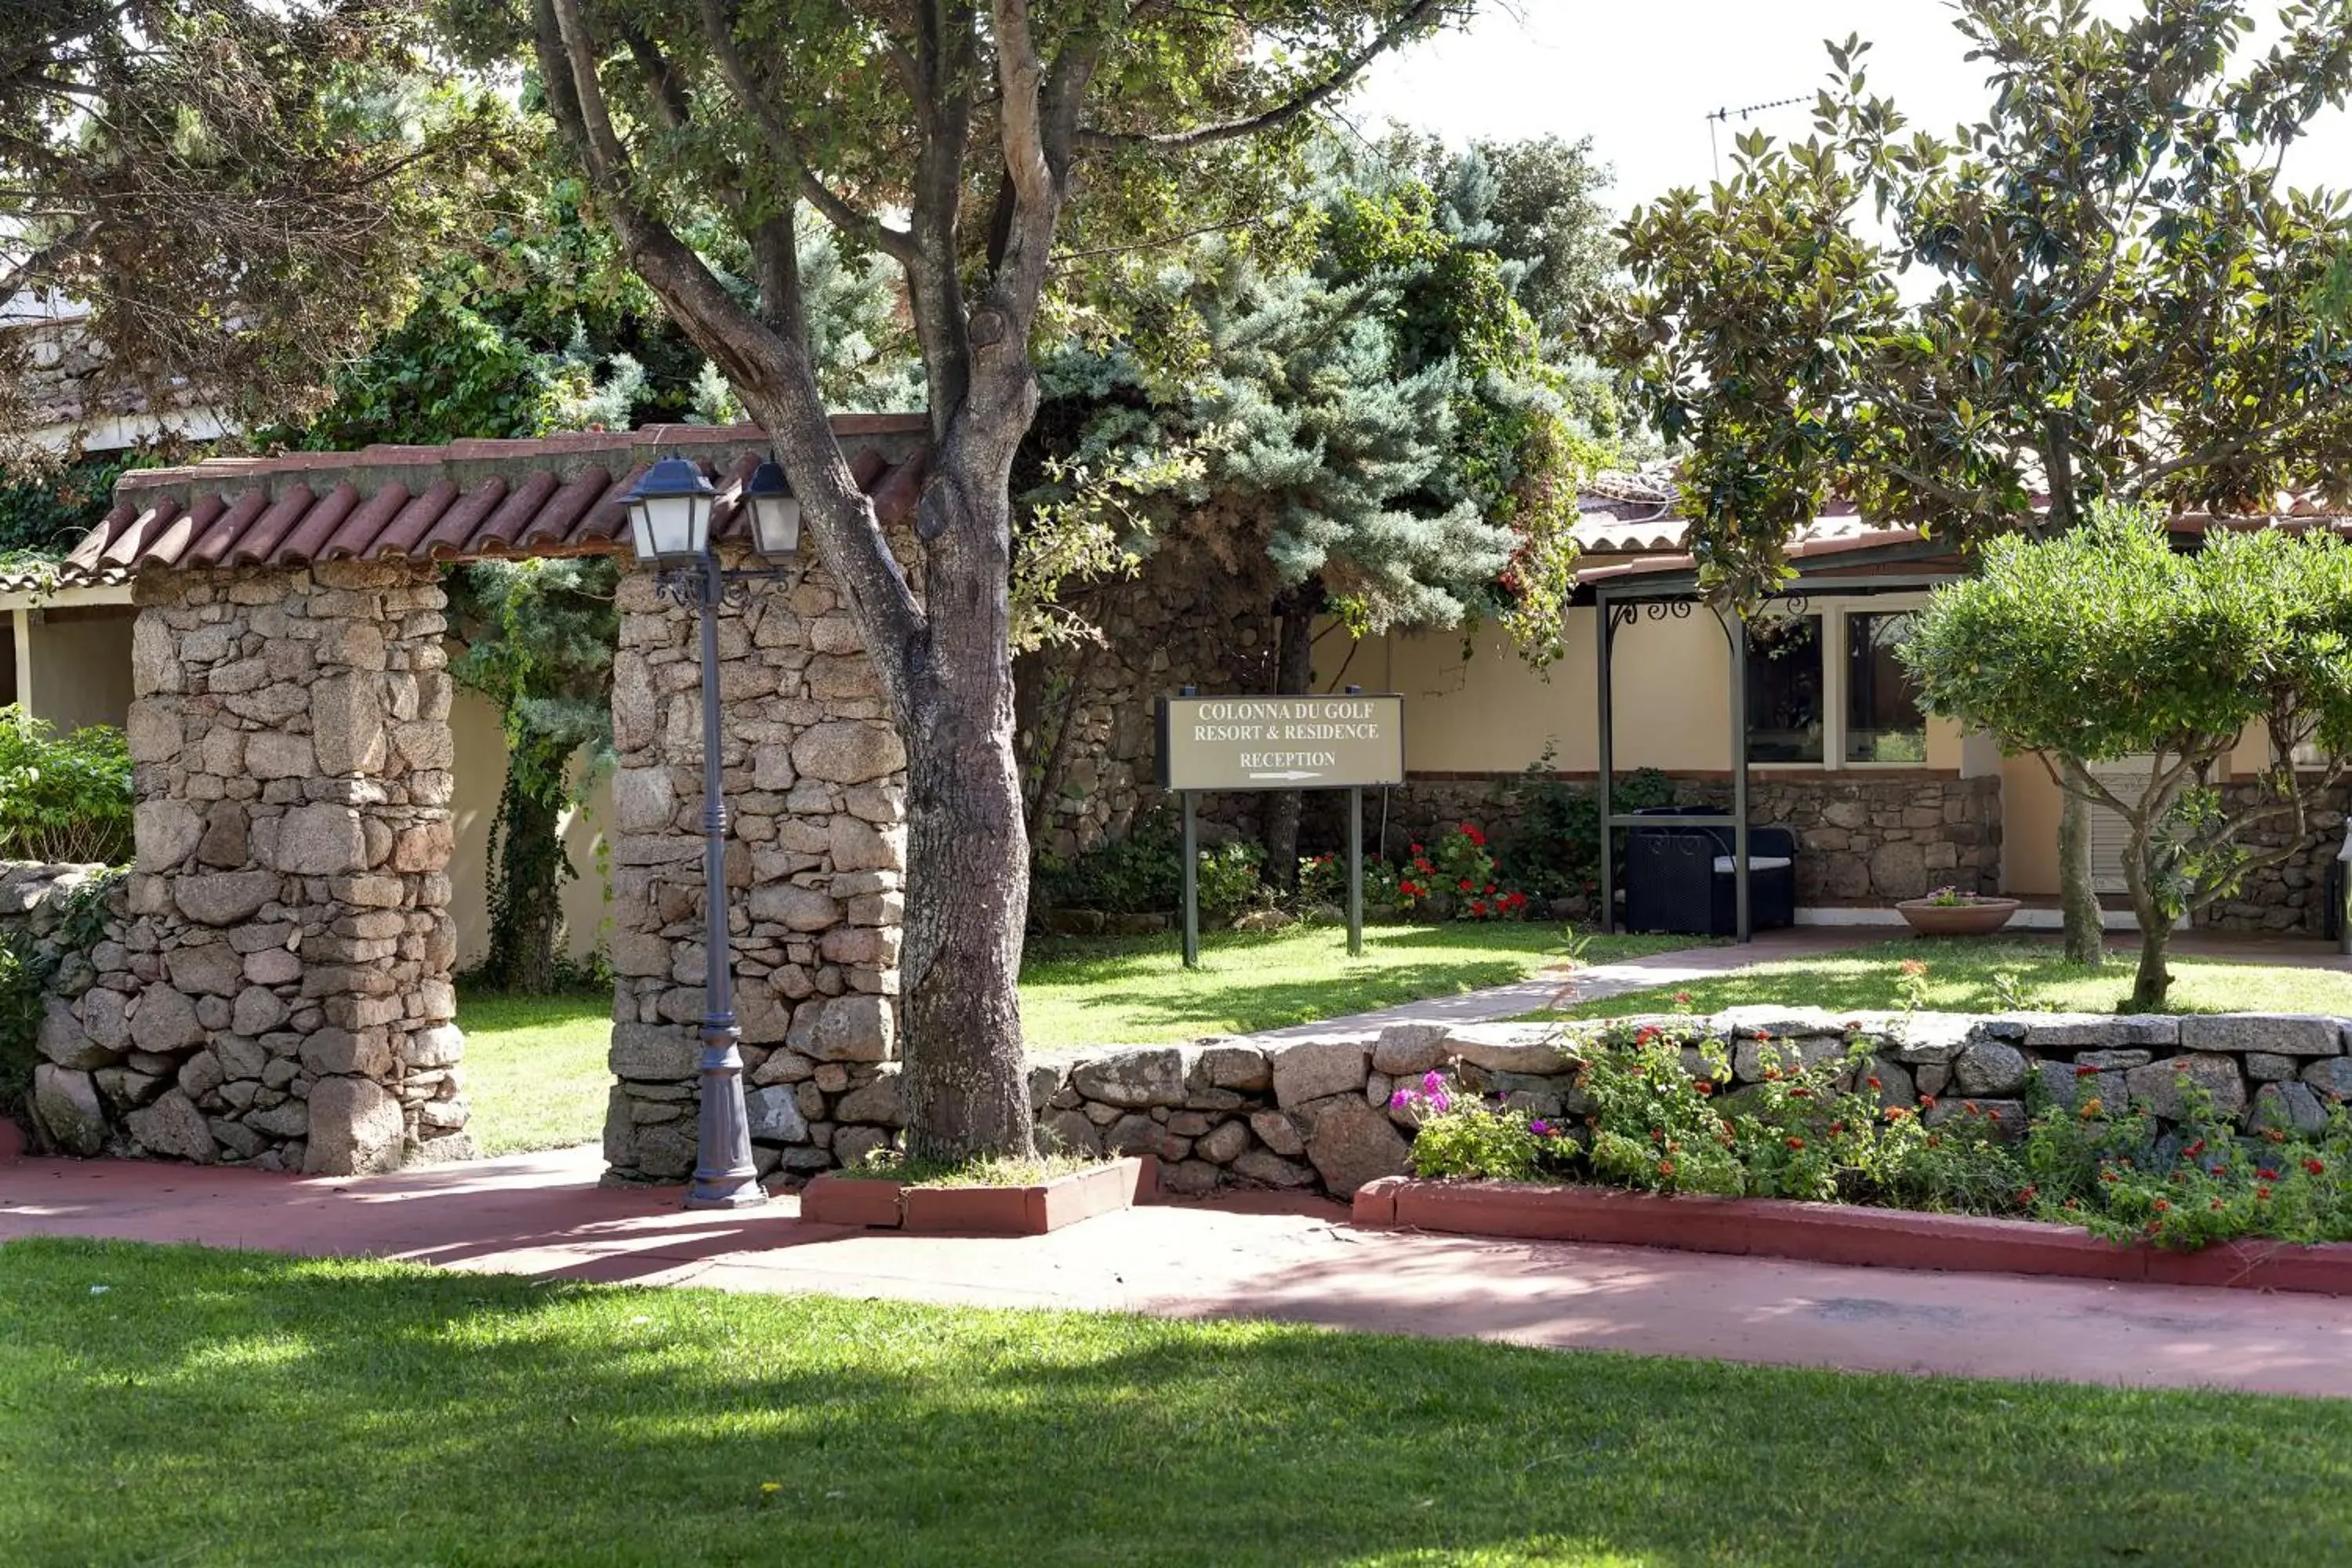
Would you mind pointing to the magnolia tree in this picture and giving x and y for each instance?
(2105, 643)
(2115, 294)
(994, 152)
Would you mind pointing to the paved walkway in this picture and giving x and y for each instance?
(1254, 1256)
(1595, 981)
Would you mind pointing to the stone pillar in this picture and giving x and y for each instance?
(815, 782)
(277, 992)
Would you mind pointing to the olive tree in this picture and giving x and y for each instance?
(2105, 642)
(992, 152)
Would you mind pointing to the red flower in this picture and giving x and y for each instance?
(2261, 1191)
(1645, 1033)
(1897, 1112)
(2025, 1193)
(1417, 849)
(1874, 1083)
(2081, 1072)
(1479, 905)
(2162, 1205)
(2316, 1166)
(1796, 1142)
(1927, 1102)
(1466, 884)
(1470, 831)
(1422, 865)
(1665, 1167)
(1703, 1087)
(2193, 1150)
(1836, 1128)
(1489, 887)
(1800, 1093)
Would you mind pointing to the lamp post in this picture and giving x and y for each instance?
(669, 526)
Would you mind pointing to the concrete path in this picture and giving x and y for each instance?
(1595, 981)
(1257, 1256)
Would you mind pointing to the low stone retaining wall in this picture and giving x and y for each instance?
(1314, 1112)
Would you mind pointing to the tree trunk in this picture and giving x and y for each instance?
(2153, 980)
(966, 1080)
(2078, 899)
(1294, 674)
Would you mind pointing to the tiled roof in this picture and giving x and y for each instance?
(559, 495)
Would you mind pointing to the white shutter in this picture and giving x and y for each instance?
(2125, 777)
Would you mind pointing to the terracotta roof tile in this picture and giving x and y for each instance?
(561, 495)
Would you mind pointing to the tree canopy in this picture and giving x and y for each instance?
(2103, 643)
(240, 193)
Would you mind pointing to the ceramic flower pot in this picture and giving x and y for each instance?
(1979, 917)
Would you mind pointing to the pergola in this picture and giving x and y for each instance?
(1855, 561)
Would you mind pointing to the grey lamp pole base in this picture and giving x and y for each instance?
(724, 1176)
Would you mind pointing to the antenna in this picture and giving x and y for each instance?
(1714, 116)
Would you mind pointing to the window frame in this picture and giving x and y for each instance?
(1832, 613)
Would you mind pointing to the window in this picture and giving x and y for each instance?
(1785, 706)
(1883, 722)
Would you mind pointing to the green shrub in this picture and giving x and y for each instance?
(1139, 874)
(1548, 831)
(1142, 874)
(1229, 880)
(63, 797)
(1654, 1118)
(21, 981)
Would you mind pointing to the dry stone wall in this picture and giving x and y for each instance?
(1314, 1112)
(815, 872)
(275, 990)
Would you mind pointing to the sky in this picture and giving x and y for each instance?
(1640, 79)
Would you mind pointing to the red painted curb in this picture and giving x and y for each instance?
(1837, 1233)
(832, 1199)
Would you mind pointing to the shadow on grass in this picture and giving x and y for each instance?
(211, 1407)
(1248, 1005)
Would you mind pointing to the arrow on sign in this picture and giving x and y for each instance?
(1290, 774)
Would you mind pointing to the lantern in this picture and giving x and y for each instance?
(669, 513)
(775, 511)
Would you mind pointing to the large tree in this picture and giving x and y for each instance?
(240, 193)
(954, 138)
(2125, 299)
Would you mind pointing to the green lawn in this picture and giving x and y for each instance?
(1964, 976)
(535, 1070)
(1084, 991)
(535, 1073)
(211, 1407)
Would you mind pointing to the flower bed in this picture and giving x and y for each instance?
(2128, 1146)
(1836, 1233)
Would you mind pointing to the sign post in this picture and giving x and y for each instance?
(1192, 881)
(1351, 742)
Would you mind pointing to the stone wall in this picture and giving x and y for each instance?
(1315, 1112)
(276, 990)
(2289, 897)
(1863, 838)
(816, 788)
(1088, 709)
